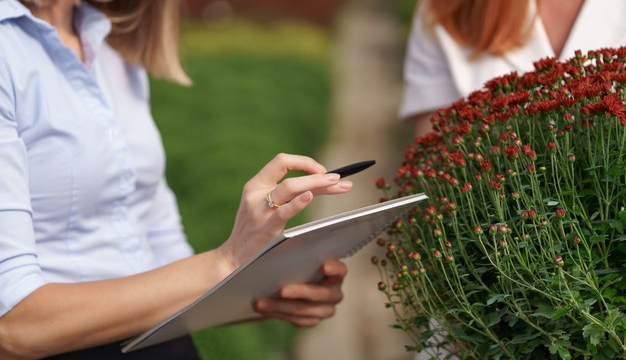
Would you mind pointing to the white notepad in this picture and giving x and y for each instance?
(295, 257)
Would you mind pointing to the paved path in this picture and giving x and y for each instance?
(366, 93)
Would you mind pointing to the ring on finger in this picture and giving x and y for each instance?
(270, 203)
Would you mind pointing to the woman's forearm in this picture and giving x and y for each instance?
(63, 317)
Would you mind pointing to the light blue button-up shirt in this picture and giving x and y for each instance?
(82, 189)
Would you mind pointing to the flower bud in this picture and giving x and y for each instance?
(453, 182)
(560, 213)
(438, 233)
(493, 228)
(542, 169)
(449, 258)
(530, 168)
(383, 263)
(391, 247)
(515, 195)
(430, 209)
(558, 260)
(571, 157)
(552, 145)
(374, 259)
(421, 270)
(502, 243)
(439, 216)
(380, 242)
(414, 255)
(478, 230)
(466, 187)
(381, 286)
(447, 244)
(381, 183)
(437, 254)
(576, 239)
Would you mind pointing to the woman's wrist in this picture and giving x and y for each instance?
(224, 261)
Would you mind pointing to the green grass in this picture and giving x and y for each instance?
(257, 91)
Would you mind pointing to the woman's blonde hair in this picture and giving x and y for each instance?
(145, 32)
(485, 26)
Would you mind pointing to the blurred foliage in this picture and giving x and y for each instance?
(257, 91)
(404, 11)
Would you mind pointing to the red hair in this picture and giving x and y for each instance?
(486, 26)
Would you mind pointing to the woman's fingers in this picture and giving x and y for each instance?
(306, 304)
(294, 308)
(278, 167)
(319, 184)
(286, 211)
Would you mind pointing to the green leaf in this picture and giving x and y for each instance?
(473, 339)
(560, 312)
(549, 312)
(617, 170)
(520, 339)
(559, 347)
(494, 298)
(617, 225)
(594, 215)
(495, 317)
(595, 239)
(594, 332)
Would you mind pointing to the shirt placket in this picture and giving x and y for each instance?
(83, 82)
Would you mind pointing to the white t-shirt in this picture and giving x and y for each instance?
(437, 71)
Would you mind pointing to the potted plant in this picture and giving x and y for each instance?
(520, 252)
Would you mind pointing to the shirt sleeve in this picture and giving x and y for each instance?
(20, 273)
(428, 82)
(165, 230)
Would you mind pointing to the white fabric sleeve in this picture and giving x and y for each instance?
(428, 82)
(165, 230)
(20, 273)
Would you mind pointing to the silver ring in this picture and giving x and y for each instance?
(270, 203)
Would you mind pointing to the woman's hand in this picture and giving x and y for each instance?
(257, 223)
(305, 305)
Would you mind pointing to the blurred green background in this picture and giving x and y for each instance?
(258, 90)
(260, 87)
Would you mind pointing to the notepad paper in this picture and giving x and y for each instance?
(294, 257)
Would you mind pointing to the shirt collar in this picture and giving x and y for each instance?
(92, 25)
(12, 9)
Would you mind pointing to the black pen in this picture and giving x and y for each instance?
(352, 168)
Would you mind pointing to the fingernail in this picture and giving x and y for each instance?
(332, 177)
(345, 184)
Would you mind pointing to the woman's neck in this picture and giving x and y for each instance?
(60, 14)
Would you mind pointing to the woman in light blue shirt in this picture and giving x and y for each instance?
(91, 245)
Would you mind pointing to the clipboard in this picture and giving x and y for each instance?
(294, 257)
